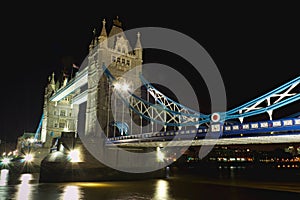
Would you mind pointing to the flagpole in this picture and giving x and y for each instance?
(72, 73)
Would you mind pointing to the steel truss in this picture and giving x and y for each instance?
(167, 112)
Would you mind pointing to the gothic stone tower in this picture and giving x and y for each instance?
(114, 51)
(59, 116)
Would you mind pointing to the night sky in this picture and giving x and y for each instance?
(255, 48)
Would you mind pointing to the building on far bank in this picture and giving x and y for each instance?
(7, 147)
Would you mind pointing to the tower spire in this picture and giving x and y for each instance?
(53, 80)
(103, 31)
(102, 39)
(138, 44)
(94, 32)
(94, 37)
(92, 45)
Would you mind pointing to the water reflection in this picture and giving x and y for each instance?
(71, 192)
(3, 182)
(4, 177)
(24, 190)
(162, 190)
(242, 186)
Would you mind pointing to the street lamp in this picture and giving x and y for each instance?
(117, 86)
(74, 155)
(5, 161)
(121, 87)
(28, 158)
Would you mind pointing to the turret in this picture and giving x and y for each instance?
(138, 47)
(102, 39)
(94, 41)
(52, 82)
(57, 85)
(65, 81)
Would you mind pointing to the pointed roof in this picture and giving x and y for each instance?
(51, 86)
(138, 44)
(93, 42)
(52, 80)
(116, 28)
(103, 31)
(115, 31)
(94, 37)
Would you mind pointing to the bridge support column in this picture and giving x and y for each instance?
(241, 119)
(119, 157)
(270, 113)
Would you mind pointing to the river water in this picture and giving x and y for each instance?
(231, 183)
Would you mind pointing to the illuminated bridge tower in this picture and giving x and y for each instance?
(114, 51)
(58, 116)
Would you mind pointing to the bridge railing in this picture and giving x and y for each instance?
(261, 128)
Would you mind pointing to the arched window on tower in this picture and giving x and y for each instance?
(63, 113)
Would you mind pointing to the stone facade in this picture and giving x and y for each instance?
(58, 116)
(112, 50)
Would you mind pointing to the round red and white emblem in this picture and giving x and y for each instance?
(215, 117)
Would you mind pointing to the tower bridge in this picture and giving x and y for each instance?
(111, 56)
(99, 92)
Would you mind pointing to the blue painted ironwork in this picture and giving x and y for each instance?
(272, 128)
(189, 117)
(122, 127)
(38, 130)
(162, 100)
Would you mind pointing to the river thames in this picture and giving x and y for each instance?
(229, 183)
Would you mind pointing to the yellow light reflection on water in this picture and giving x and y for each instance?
(162, 190)
(90, 184)
(25, 188)
(71, 192)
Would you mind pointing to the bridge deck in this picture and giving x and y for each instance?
(267, 139)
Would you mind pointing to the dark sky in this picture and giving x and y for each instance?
(256, 48)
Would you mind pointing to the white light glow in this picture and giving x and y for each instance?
(15, 152)
(159, 155)
(4, 177)
(25, 188)
(71, 192)
(117, 86)
(162, 190)
(28, 158)
(122, 87)
(74, 155)
(5, 161)
(125, 87)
